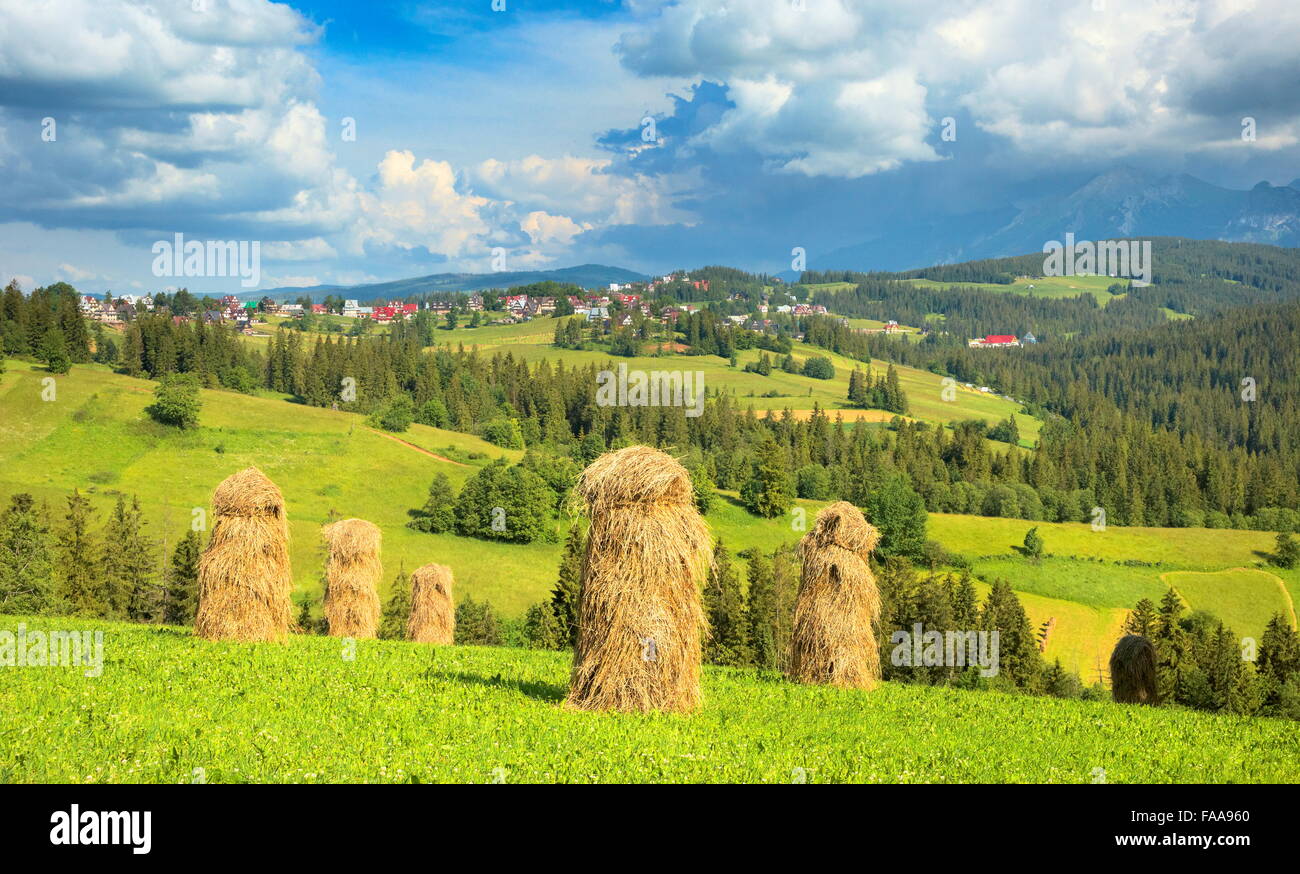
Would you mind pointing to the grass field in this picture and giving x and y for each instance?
(1041, 286)
(1244, 598)
(169, 708)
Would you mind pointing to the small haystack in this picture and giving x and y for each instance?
(244, 578)
(640, 618)
(433, 618)
(1133, 671)
(838, 607)
(352, 578)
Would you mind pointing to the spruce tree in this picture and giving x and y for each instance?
(541, 628)
(768, 491)
(1141, 619)
(761, 610)
(397, 609)
(79, 580)
(26, 585)
(564, 596)
(438, 515)
(181, 592)
(725, 607)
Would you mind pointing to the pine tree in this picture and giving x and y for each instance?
(704, 488)
(1141, 619)
(725, 607)
(1171, 645)
(565, 594)
(1279, 650)
(761, 610)
(181, 592)
(128, 565)
(541, 628)
(768, 492)
(965, 603)
(1020, 661)
(79, 580)
(1034, 545)
(25, 562)
(1287, 554)
(397, 609)
(438, 515)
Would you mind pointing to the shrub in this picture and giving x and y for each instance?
(176, 401)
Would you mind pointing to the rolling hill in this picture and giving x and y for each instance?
(585, 275)
(95, 437)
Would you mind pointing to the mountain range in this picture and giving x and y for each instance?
(585, 275)
(1123, 202)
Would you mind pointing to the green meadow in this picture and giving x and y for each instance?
(95, 436)
(169, 708)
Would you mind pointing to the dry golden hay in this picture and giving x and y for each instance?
(837, 611)
(244, 577)
(433, 618)
(352, 578)
(640, 619)
(1133, 671)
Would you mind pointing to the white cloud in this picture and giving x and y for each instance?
(848, 89)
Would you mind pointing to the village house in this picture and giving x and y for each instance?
(994, 341)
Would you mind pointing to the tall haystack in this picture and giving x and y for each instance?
(640, 619)
(838, 607)
(352, 578)
(433, 618)
(244, 578)
(1133, 671)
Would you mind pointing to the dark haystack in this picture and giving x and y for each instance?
(433, 618)
(244, 579)
(1133, 671)
(640, 619)
(352, 578)
(838, 608)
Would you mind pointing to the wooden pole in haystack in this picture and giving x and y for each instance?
(1133, 671)
(352, 578)
(433, 618)
(838, 607)
(244, 578)
(640, 618)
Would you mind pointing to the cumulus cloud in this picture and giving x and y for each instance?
(847, 89)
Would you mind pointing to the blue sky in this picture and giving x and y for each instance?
(775, 124)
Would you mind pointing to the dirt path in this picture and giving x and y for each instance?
(420, 449)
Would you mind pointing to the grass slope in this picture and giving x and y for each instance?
(95, 437)
(171, 708)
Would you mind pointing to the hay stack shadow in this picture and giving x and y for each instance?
(837, 610)
(244, 577)
(352, 578)
(640, 617)
(1133, 671)
(433, 618)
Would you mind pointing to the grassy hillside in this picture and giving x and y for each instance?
(173, 709)
(95, 436)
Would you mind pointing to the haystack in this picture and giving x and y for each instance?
(433, 618)
(838, 607)
(244, 579)
(640, 619)
(1133, 671)
(352, 578)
